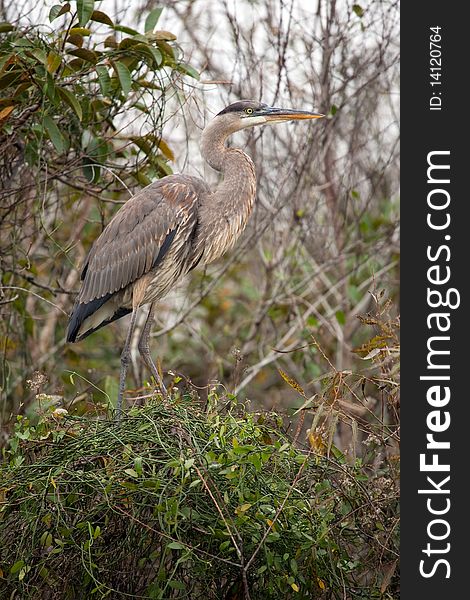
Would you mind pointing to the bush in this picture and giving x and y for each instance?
(177, 501)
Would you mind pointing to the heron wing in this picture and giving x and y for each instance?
(140, 234)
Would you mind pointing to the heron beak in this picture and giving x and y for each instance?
(278, 115)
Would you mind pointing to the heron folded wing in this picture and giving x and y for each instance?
(139, 236)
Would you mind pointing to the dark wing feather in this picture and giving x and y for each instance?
(139, 235)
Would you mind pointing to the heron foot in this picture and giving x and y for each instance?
(157, 377)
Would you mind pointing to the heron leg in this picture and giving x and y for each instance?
(125, 361)
(144, 349)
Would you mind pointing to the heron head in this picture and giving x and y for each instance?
(248, 113)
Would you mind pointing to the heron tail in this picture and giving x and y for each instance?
(88, 318)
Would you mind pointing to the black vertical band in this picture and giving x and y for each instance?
(436, 333)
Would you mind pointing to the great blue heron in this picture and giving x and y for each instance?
(166, 229)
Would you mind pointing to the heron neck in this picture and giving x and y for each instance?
(226, 211)
(236, 167)
(213, 148)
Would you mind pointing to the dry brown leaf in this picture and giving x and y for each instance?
(292, 382)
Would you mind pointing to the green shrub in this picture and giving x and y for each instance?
(181, 502)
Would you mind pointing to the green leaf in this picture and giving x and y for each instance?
(255, 460)
(104, 79)
(175, 546)
(144, 145)
(95, 147)
(6, 27)
(101, 17)
(312, 321)
(340, 317)
(22, 43)
(50, 89)
(58, 10)
(188, 463)
(84, 31)
(70, 99)
(97, 151)
(124, 77)
(294, 566)
(84, 11)
(40, 55)
(17, 566)
(24, 571)
(124, 29)
(54, 134)
(188, 70)
(46, 539)
(131, 473)
(91, 170)
(354, 293)
(138, 465)
(152, 19)
(176, 585)
(153, 53)
(358, 10)
(142, 178)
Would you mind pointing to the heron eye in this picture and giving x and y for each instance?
(249, 111)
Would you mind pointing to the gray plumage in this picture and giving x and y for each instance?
(168, 228)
